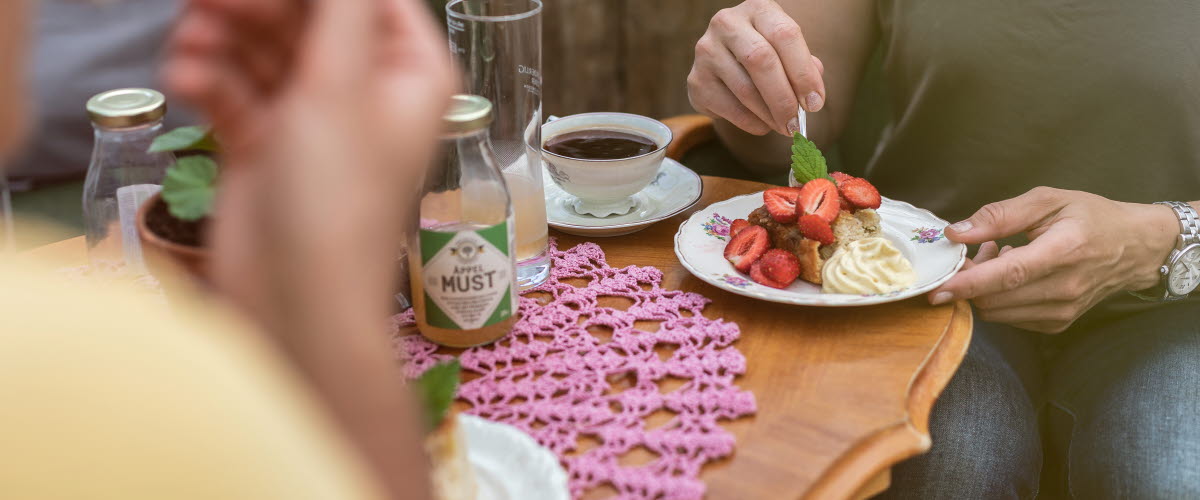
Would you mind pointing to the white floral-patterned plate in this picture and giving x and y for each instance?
(675, 189)
(700, 246)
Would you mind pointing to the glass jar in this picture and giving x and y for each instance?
(123, 174)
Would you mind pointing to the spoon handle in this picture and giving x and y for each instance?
(801, 123)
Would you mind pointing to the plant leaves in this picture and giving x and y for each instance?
(190, 186)
(195, 138)
(807, 161)
(437, 388)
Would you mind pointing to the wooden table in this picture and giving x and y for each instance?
(843, 393)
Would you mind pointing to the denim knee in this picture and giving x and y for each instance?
(985, 438)
(1141, 437)
(1131, 390)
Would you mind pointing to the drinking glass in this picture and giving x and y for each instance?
(498, 44)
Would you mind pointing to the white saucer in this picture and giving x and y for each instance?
(675, 189)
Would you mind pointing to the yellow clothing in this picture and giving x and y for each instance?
(104, 395)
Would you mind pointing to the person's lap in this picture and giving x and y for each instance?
(1122, 415)
(1123, 407)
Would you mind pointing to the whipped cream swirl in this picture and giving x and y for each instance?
(867, 266)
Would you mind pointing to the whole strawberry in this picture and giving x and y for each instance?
(776, 268)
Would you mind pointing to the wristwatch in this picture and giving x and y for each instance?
(1181, 273)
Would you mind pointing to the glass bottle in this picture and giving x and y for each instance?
(122, 174)
(462, 262)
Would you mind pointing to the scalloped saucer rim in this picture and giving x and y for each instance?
(676, 185)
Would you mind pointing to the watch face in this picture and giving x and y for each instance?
(1184, 276)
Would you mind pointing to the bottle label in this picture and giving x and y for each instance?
(468, 277)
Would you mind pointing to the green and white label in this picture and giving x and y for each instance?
(468, 277)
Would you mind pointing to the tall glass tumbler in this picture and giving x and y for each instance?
(498, 44)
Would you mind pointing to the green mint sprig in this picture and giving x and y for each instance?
(436, 389)
(807, 161)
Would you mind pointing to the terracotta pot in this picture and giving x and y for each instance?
(165, 257)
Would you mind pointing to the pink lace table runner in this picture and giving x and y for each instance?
(654, 390)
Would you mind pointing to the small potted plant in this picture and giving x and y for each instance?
(172, 224)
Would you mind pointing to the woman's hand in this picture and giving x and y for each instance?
(753, 68)
(1083, 248)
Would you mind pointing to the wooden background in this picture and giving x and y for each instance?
(618, 55)
(621, 55)
(635, 55)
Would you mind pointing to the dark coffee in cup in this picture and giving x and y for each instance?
(600, 144)
(603, 159)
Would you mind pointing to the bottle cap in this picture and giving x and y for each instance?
(467, 113)
(121, 108)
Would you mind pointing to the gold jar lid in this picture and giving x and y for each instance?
(126, 107)
(467, 113)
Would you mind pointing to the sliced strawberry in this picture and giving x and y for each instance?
(860, 193)
(814, 227)
(737, 226)
(747, 246)
(840, 177)
(781, 203)
(845, 204)
(779, 266)
(819, 197)
(756, 274)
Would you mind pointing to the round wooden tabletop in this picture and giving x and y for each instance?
(843, 393)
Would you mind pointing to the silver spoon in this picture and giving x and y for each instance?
(800, 124)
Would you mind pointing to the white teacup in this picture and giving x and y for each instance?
(605, 187)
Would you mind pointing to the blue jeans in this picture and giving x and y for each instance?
(1114, 412)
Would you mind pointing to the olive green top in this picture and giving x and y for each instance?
(993, 98)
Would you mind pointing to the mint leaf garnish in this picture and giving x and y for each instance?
(195, 138)
(437, 388)
(807, 161)
(190, 186)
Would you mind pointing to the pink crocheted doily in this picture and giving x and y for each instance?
(588, 397)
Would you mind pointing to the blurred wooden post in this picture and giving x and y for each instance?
(621, 55)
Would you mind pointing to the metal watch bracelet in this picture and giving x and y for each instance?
(1189, 234)
(1189, 221)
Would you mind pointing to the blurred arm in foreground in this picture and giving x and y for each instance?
(329, 110)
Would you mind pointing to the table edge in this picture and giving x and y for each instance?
(908, 437)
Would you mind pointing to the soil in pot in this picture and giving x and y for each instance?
(165, 225)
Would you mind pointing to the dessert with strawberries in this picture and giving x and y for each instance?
(798, 229)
